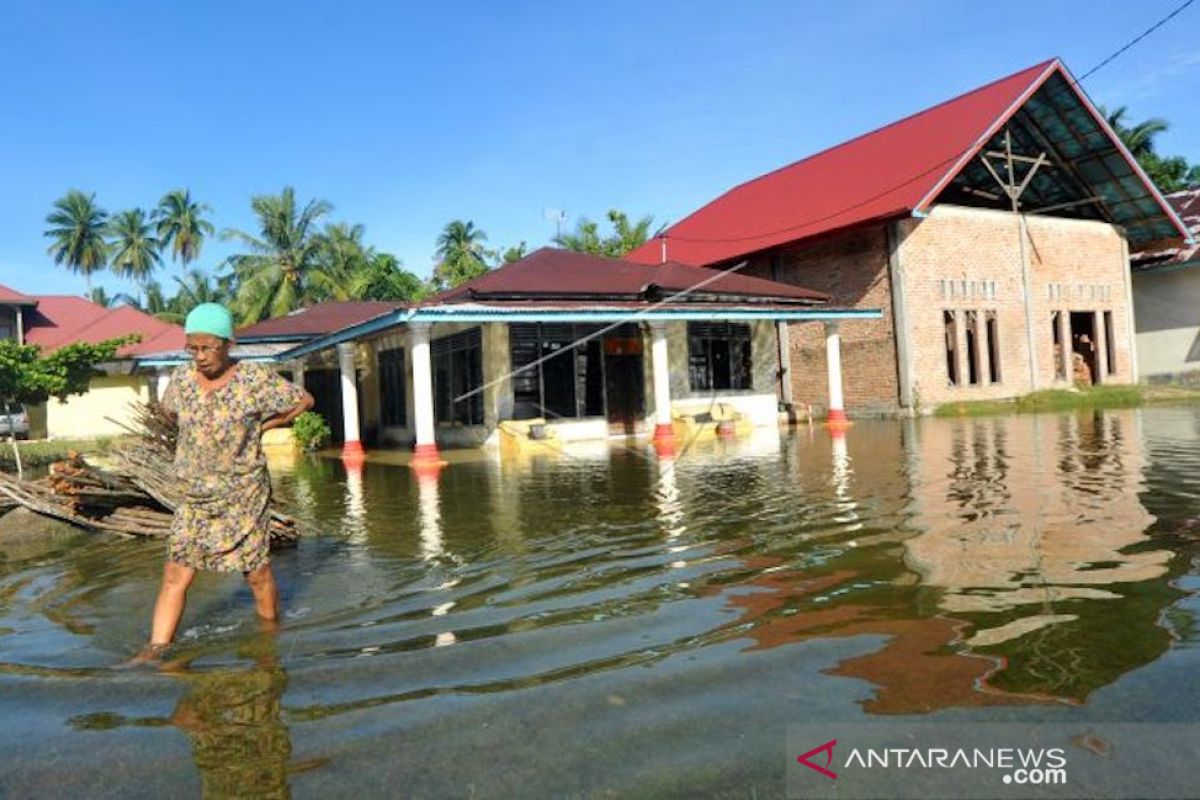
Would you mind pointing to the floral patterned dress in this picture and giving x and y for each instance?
(222, 523)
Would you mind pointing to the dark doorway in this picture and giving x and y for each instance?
(624, 383)
(1084, 364)
(325, 385)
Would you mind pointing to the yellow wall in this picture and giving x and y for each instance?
(89, 415)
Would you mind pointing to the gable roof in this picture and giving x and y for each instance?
(1168, 253)
(61, 320)
(552, 274)
(316, 320)
(903, 168)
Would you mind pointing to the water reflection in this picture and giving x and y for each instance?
(232, 719)
(903, 568)
(1033, 528)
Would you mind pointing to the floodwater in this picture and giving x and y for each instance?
(612, 624)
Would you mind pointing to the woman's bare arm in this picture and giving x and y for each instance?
(280, 420)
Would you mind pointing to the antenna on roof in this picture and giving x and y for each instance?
(557, 216)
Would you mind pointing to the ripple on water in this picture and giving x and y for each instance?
(683, 613)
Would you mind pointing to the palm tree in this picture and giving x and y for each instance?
(182, 226)
(78, 234)
(461, 254)
(134, 248)
(196, 287)
(626, 236)
(341, 256)
(100, 296)
(384, 278)
(159, 306)
(514, 253)
(272, 277)
(1139, 138)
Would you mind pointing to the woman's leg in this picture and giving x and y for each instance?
(266, 593)
(171, 598)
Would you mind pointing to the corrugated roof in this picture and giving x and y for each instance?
(550, 274)
(902, 168)
(255, 351)
(316, 320)
(1174, 252)
(11, 297)
(61, 320)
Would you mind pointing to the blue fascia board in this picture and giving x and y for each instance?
(458, 314)
(175, 362)
(298, 339)
(623, 315)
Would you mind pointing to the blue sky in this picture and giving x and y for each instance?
(406, 116)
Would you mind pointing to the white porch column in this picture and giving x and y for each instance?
(1101, 346)
(298, 372)
(162, 379)
(422, 381)
(833, 361)
(663, 428)
(352, 448)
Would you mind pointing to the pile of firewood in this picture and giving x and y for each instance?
(136, 496)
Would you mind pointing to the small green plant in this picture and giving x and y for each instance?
(311, 431)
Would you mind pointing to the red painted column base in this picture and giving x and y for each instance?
(353, 453)
(664, 430)
(426, 457)
(837, 418)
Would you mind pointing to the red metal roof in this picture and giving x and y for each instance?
(890, 172)
(58, 321)
(549, 273)
(11, 297)
(316, 320)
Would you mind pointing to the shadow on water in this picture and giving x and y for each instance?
(679, 612)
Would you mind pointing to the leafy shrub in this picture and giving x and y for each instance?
(311, 430)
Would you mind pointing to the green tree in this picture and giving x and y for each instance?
(1169, 173)
(133, 247)
(461, 255)
(340, 256)
(27, 377)
(100, 296)
(159, 306)
(272, 277)
(384, 278)
(196, 287)
(626, 236)
(514, 253)
(77, 234)
(182, 226)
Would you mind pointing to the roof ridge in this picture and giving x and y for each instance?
(1039, 67)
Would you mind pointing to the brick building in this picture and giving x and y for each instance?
(919, 218)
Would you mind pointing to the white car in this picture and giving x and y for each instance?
(17, 423)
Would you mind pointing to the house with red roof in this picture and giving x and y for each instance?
(54, 321)
(1166, 294)
(993, 230)
(561, 346)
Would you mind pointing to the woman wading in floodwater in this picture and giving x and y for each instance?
(222, 408)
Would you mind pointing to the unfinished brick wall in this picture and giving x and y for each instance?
(852, 267)
(965, 259)
(956, 259)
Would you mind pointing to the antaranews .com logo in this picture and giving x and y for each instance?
(968, 761)
(1013, 765)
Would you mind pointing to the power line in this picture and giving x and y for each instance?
(946, 162)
